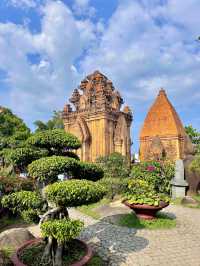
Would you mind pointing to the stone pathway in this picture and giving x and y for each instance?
(121, 246)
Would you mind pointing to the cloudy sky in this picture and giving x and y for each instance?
(48, 46)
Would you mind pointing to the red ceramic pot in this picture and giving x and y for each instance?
(85, 259)
(144, 211)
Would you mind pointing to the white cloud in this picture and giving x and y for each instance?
(83, 7)
(147, 46)
(23, 3)
(43, 86)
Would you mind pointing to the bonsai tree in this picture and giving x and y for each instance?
(56, 226)
(55, 199)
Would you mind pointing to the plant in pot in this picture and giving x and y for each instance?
(143, 199)
(53, 200)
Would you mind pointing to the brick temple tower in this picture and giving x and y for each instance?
(162, 134)
(97, 119)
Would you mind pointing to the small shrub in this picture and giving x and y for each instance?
(114, 165)
(63, 230)
(12, 184)
(114, 186)
(21, 201)
(30, 216)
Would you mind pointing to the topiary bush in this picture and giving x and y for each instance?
(56, 141)
(47, 169)
(141, 192)
(114, 186)
(72, 193)
(157, 174)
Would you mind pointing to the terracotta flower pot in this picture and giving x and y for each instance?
(85, 259)
(144, 211)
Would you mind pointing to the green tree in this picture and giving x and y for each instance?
(13, 131)
(55, 122)
(193, 134)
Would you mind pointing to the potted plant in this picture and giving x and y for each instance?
(49, 205)
(143, 199)
(58, 230)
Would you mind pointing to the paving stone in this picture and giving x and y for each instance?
(123, 246)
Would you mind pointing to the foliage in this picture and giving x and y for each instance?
(55, 122)
(114, 165)
(56, 141)
(162, 222)
(13, 184)
(63, 230)
(72, 193)
(114, 186)
(12, 129)
(22, 157)
(195, 164)
(21, 201)
(47, 169)
(89, 171)
(193, 134)
(141, 192)
(30, 216)
(157, 174)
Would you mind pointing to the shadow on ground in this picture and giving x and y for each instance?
(113, 243)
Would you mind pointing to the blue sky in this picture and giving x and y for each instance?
(48, 46)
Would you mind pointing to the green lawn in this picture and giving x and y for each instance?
(90, 209)
(162, 222)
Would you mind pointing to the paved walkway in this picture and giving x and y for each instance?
(120, 246)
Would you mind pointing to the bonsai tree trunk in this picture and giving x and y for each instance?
(58, 254)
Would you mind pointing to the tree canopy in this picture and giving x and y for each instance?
(55, 122)
(13, 131)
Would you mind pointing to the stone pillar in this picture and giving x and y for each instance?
(179, 183)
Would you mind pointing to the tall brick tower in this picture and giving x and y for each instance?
(97, 119)
(162, 134)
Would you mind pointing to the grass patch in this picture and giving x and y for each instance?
(90, 209)
(162, 222)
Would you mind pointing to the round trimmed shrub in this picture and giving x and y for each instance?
(63, 230)
(54, 140)
(72, 193)
(47, 169)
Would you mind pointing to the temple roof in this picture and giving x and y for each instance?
(162, 119)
